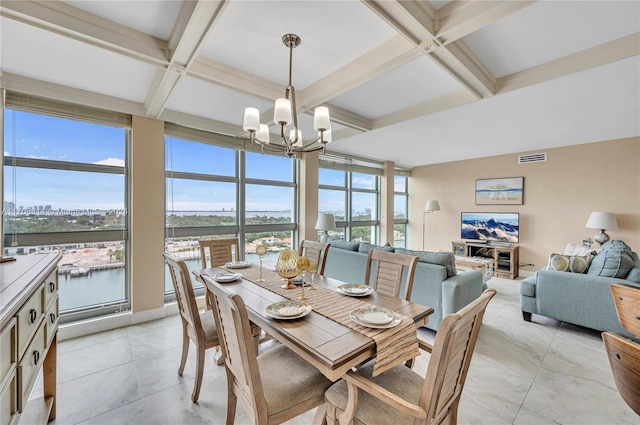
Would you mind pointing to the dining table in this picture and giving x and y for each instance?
(333, 345)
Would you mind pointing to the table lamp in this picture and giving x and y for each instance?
(602, 221)
(325, 223)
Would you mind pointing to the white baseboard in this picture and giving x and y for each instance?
(113, 321)
(526, 273)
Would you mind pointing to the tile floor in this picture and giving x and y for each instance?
(521, 373)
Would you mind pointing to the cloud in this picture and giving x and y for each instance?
(6, 153)
(111, 161)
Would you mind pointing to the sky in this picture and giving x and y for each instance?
(29, 135)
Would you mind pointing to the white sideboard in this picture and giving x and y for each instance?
(28, 337)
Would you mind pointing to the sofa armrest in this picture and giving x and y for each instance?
(460, 290)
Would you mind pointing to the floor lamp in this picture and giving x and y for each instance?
(432, 205)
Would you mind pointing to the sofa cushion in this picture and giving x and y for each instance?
(569, 263)
(342, 244)
(366, 247)
(446, 259)
(614, 260)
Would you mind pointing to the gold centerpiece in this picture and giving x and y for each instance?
(287, 266)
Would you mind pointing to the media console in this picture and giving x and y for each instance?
(504, 256)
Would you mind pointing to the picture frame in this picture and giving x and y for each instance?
(500, 191)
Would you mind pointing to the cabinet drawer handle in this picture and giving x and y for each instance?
(36, 357)
(52, 287)
(33, 315)
(52, 318)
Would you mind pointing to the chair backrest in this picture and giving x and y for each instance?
(220, 251)
(315, 251)
(388, 273)
(450, 358)
(185, 297)
(624, 358)
(626, 298)
(238, 351)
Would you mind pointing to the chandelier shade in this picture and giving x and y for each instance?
(285, 114)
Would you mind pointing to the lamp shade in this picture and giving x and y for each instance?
(432, 205)
(602, 220)
(326, 222)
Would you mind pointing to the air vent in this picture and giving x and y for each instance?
(534, 157)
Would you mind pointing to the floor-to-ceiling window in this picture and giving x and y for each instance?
(65, 192)
(215, 190)
(352, 193)
(400, 207)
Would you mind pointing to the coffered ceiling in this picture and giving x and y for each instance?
(412, 82)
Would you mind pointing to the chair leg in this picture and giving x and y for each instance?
(231, 401)
(219, 358)
(199, 372)
(185, 351)
(320, 418)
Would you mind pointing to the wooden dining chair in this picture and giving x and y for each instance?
(272, 387)
(400, 396)
(624, 358)
(388, 272)
(196, 326)
(315, 251)
(220, 251)
(626, 299)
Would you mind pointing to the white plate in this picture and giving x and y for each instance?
(375, 317)
(287, 310)
(237, 265)
(355, 289)
(226, 277)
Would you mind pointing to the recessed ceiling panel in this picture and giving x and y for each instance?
(416, 82)
(248, 37)
(549, 30)
(46, 56)
(153, 17)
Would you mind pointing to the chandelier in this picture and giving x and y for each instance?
(285, 113)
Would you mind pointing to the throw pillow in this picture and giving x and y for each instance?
(573, 249)
(342, 244)
(446, 259)
(386, 247)
(569, 263)
(614, 260)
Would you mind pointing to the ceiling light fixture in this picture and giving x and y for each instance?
(286, 112)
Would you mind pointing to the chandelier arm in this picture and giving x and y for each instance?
(294, 112)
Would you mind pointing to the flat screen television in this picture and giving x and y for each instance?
(490, 226)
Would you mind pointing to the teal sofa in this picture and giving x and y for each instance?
(436, 283)
(582, 299)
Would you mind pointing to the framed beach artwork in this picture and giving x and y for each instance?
(503, 191)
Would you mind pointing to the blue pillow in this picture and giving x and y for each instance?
(446, 259)
(366, 247)
(614, 260)
(341, 244)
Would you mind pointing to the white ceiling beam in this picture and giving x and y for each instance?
(460, 18)
(414, 20)
(66, 20)
(425, 108)
(233, 78)
(612, 51)
(194, 23)
(390, 55)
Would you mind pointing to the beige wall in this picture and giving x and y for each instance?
(559, 195)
